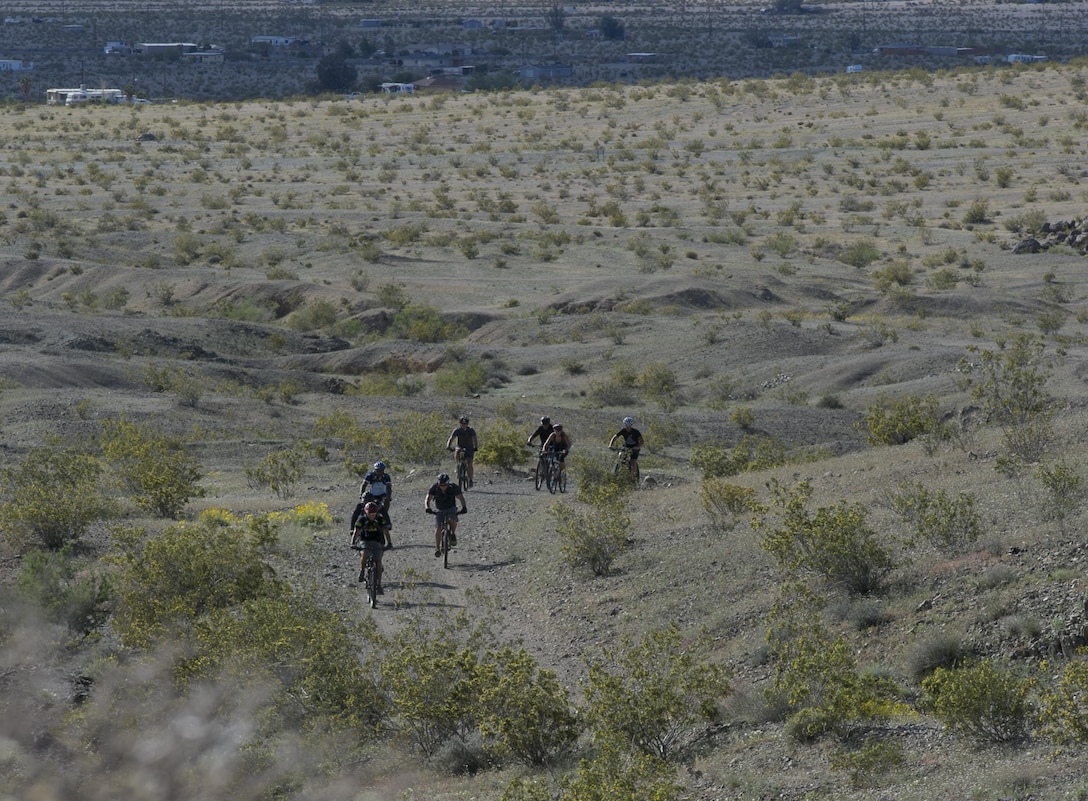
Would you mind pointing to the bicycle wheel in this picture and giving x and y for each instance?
(541, 471)
(561, 481)
(462, 474)
(446, 545)
(371, 584)
(553, 476)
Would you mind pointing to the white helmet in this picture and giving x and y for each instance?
(628, 421)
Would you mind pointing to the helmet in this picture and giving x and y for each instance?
(443, 478)
(628, 421)
(379, 465)
(464, 419)
(545, 420)
(371, 507)
(557, 427)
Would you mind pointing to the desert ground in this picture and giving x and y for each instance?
(719, 259)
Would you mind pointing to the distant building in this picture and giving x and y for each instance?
(164, 48)
(546, 72)
(900, 49)
(472, 24)
(277, 41)
(14, 65)
(371, 23)
(211, 56)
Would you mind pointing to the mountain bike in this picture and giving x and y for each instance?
(551, 475)
(462, 470)
(541, 473)
(623, 459)
(445, 538)
(370, 580)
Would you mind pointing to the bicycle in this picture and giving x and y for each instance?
(370, 581)
(542, 467)
(462, 469)
(446, 538)
(623, 460)
(551, 471)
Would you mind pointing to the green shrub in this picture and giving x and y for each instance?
(461, 378)
(867, 764)
(951, 523)
(659, 383)
(422, 323)
(524, 711)
(430, 672)
(171, 580)
(314, 316)
(503, 447)
(592, 538)
(1063, 707)
(612, 774)
(834, 543)
(304, 653)
(51, 498)
(860, 254)
(279, 471)
(1011, 385)
(596, 480)
(60, 584)
(816, 675)
(1064, 491)
(726, 502)
(750, 454)
(417, 438)
(982, 701)
(894, 422)
(649, 695)
(154, 469)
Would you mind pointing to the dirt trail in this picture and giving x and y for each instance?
(483, 558)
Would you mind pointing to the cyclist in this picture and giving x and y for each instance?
(543, 431)
(466, 444)
(372, 536)
(559, 443)
(377, 486)
(632, 440)
(446, 497)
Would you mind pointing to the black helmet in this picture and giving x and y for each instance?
(464, 419)
(443, 478)
(545, 420)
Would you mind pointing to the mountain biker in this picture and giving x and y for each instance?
(446, 497)
(559, 443)
(371, 537)
(543, 431)
(377, 486)
(466, 443)
(632, 440)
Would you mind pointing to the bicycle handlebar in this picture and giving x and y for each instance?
(459, 511)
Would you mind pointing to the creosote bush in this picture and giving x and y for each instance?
(894, 422)
(51, 498)
(649, 696)
(154, 469)
(981, 700)
(834, 543)
(592, 537)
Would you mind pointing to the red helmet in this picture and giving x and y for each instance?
(371, 507)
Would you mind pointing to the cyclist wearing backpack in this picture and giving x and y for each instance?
(446, 497)
(378, 487)
(371, 536)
